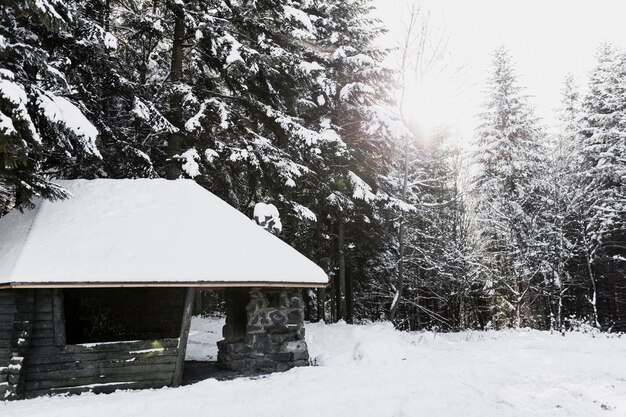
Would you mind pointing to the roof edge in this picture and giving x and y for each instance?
(170, 284)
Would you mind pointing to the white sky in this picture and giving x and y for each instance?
(547, 39)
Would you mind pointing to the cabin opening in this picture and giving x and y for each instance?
(95, 315)
(206, 329)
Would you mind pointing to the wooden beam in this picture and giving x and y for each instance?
(58, 317)
(184, 336)
(199, 285)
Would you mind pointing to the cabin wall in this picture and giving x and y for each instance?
(37, 334)
(16, 322)
(103, 367)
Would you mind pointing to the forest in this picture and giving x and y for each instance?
(293, 103)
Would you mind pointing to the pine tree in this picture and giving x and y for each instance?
(604, 184)
(45, 128)
(507, 189)
(562, 213)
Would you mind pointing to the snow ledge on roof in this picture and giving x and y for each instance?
(144, 232)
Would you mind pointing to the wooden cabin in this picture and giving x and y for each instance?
(96, 291)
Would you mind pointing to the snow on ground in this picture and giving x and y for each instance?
(374, 370)
(203, 337)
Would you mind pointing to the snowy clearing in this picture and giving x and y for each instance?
(373, 370)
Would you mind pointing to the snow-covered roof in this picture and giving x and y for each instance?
(144, 232)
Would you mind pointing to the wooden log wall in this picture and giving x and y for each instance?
(102, 367)
(7, 316)
(16, 318)
(35, 361)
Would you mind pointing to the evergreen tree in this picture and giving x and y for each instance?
(507, 191)
(604, 185)
(45, 127)
(562, 210)
(440, 290)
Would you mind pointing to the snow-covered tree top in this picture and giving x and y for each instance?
(145, 231)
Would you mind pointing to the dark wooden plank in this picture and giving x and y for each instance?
(42, 325)
(8, 309)
(149, 346)
(102, 363)
(58, 317)
(22, 326)
(133, 345)
(7, 297)
(60, 383)
(43, 291)
(7, 317)
(184, 336)
(97, 372)
(41, 341)
(6, 325)
(42, 316)
(63, 357)
(41, 307)
(103, 389)
(42, 333)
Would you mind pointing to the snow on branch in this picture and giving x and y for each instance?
(60, 110)
(304, 213)
(360, 189)
(194, 123)
(153, 117)
(15, 94)
(303, 20)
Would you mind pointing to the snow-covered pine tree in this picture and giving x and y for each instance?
(561, 211)
(562, 215)
(45, 128)
(604, 184)
(357, 103)
(440, 289)
(507, 191)
(281, 104)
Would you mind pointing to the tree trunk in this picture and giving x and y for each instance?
(321, 292)
(594, 292)
(107, 15)
(176, 74)
(341, 294)
(349, 297)
(333, 299)
(197, 303)
(400, 284)
(321, 306)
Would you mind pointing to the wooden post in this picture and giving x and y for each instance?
(184, 335)
(58, 317)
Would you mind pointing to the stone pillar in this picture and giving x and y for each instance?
(273, 337)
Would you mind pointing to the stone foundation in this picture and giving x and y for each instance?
(264, 331)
